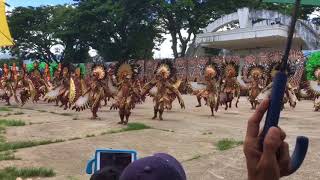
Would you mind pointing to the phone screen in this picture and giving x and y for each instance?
(117, 160)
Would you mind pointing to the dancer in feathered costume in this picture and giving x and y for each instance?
(210, 93)
(14, 72)
(25, 87)
(60, 92)
(255, 75)
(6, 90)
(77, 86)
(313, 76)
(128, 94)
(163, 73)
(94, 94)
(55, 71)
(171, 94)
(230, 87)
(46, 74)
(39, 82)
(289, 95)
(110, 82)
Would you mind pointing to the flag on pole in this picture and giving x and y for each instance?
(303, 2)
(5, 36)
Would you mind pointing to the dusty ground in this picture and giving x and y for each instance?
(188, 139)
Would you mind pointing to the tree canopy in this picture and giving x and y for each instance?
(119, 29)
(122, 29)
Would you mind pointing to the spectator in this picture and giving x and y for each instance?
(157, 167)
(271, 162)
(108, 173)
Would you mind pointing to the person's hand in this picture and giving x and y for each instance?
(271, 162)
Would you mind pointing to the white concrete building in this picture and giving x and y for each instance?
(250, 31)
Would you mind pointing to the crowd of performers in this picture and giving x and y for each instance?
(67, 86)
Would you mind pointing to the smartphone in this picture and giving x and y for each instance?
(119, 160)
(111, 158)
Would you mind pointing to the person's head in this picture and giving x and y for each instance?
(256, 73)
(99, 72)
(65, 72)
(77, 72)
(163, 72)
(231, 72)
(210, 73)
(108, 173)
(157, 167)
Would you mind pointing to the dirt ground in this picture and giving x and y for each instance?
(190, 137)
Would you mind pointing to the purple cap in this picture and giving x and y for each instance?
(157, 167)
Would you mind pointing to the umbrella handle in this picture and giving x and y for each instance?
(272, 120)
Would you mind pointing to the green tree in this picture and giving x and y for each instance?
(67, 22)
(32, 33)
(36, 29)
(119, 29)
(178, 16)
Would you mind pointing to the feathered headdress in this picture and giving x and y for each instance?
(66, 67)
(212, 70)
(165, 68)
(99, 70)
(255, 69)
(127, 69)
(313, 66)
(231, 67)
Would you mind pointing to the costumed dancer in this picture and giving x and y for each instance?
(230, 87)
(7, 90)
(60, 92)
(94, 94)
(171, 94)
(313, 76)
(128, 94)
(255, 75)
(25, 87)
(110, 82)
(289, 95)
(39, 82)
(163, 73)
(211, 74)
(77, 86)
(56, 73)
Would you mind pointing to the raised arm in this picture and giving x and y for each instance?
(178, 94)
(147, 87)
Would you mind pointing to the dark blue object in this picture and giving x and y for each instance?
(160, 166)
(299, 153)
(272, 120)
(277, 94)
